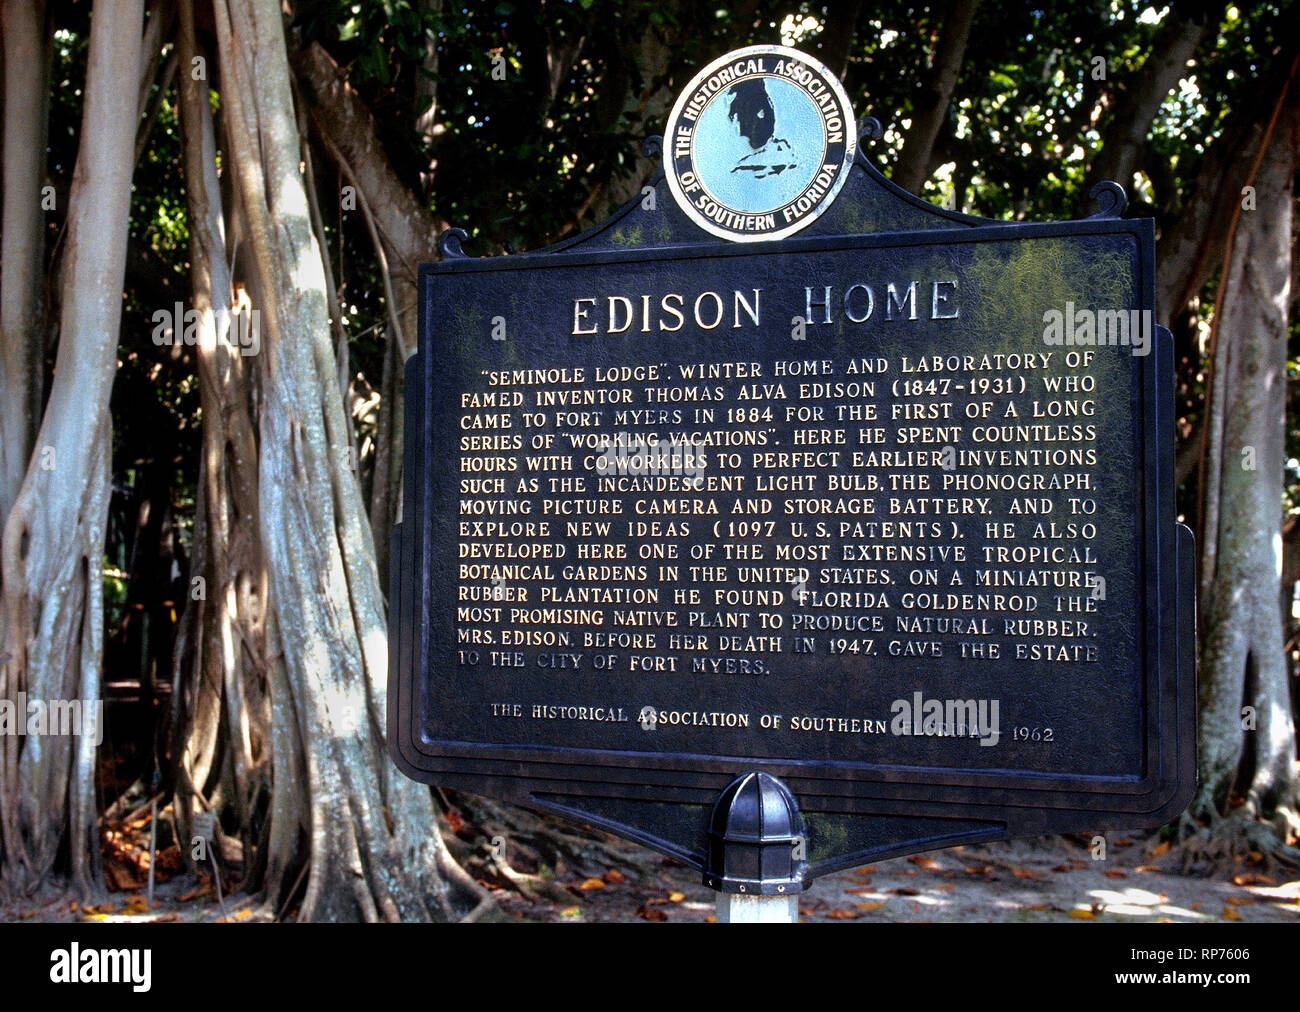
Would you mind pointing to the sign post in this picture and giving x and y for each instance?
(790, 522)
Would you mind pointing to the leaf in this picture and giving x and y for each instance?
(1240, 901)
(1230, 914)
(1147, 868)
(1251, 878)
(652, 913)
(1082, 915)
(843, 915)
(978, 869)
(615, 877)
(861, 891)
(1024, 873)
(869, 906)
(1162, 848)
(571, 912)
(1062, 867)
(1115, 873)
(454, 820)
(676, 897)
(928, 863)
(592, 883)
(944, 888)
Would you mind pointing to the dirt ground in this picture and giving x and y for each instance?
(1049, 879)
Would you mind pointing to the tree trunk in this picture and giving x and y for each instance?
(53, 543)
(1125, 136)
(1242, 662)
(406, 233)
(22, 253)
(375, 852)
(220, 682)
(1191, 243)
(932, 106)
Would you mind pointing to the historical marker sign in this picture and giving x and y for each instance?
(883, 510)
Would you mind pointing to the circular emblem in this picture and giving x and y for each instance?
(759, 144)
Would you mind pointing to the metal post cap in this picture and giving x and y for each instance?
(756, 839)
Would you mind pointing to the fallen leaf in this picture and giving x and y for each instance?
(164, 918)
(652, 913)
(454, 820)
(843, 915)
(1062, 867)
(1115, 873)
(676, 897)
(615, 877)
(1229, 914)
(1251, 878)
(711, 919)
(571, 912)
(1194, 906)
(1123, 842)
(242, 915)
(1147, 867)
(1240, 901)
(928, 863)
(860, 891)
(944, 888)
(1024, 873)
(1082, 915)
(1160, 849)
(978, 869)
(869, 906)
(1255, 857)
(592, 883)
